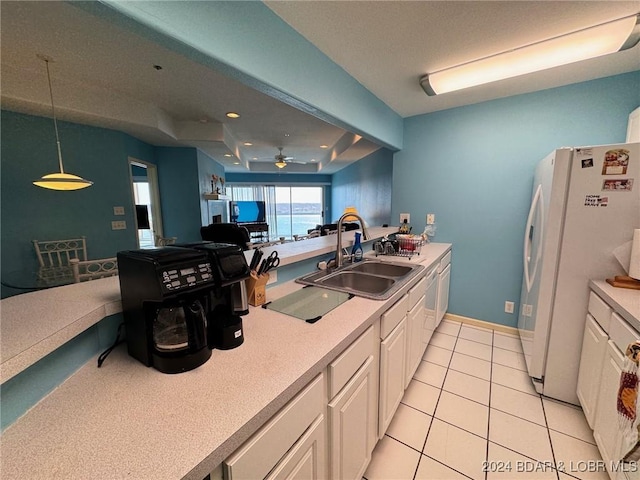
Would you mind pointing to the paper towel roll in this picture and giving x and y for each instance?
(634, 264)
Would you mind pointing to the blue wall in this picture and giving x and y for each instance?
(207, 167)
(365, 185)
(28, 151)
(473, 167)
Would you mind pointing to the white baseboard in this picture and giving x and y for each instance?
(481, 323)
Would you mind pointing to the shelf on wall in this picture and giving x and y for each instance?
(216, 196)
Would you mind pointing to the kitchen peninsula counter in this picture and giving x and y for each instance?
(125, 420)
(37, 323)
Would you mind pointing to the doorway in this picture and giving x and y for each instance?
(146, 199)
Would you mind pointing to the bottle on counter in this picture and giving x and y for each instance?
(356, 250)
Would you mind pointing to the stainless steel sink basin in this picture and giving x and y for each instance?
(381, 268)
(370, 278)
(352, 280)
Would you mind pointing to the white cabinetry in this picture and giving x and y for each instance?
(353, 408)
(594, 346)
(606, 337)
(293, 428)
(606, 430)
(392, 365)
(444, 279)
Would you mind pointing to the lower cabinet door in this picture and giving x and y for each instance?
(606, 431)
(307, 459)
(415, 321)
(443, 293)
(594, 346)
(352, 425)
(392, 367)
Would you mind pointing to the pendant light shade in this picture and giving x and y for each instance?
(59, 180)
(280, 164)
(584, 44)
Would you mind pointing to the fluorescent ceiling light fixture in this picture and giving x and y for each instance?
(584, 44)
(59, 180)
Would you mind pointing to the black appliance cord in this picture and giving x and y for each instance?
(117, 342)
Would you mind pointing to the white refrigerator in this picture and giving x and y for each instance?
(585, 203)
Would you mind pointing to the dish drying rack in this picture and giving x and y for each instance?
(400, 247)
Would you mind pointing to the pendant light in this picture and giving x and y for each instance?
(59, 180)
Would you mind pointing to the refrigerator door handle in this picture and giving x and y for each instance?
(528, 238)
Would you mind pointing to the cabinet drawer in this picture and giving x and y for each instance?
(393, 316)
(621, 333)
(417, 292)
(446, 260)
(349, 361)
(265, 448)
(600, 311)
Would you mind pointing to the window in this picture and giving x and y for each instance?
(290, 210)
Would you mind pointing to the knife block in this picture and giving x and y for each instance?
(256, 289)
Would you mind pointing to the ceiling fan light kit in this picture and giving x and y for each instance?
(592, 42)
(59, 180)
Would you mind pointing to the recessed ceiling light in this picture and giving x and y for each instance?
(247, 144)
(233, 115)
(324, 146)
(254, 158)
(228, 155)
(204, 120)
(236, 163)
(313, 159)
(287, 135)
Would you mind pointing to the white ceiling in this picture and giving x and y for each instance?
(99, 79)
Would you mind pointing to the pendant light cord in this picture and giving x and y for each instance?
(55, 123)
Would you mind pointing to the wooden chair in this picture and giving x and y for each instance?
(55, 258)
(163, 241)
(93, 269)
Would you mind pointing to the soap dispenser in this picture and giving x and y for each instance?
(356, 251)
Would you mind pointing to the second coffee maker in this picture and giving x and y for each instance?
(228, 300)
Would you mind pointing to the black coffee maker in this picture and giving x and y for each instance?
(228, 301)
(166, 296)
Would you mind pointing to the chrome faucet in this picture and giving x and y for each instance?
(365, 236)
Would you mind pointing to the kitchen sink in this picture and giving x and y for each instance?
(382, 268)
(352, 280)
(370, 278)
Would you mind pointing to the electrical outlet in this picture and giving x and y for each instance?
(508, 307)
(118, 210)
(273, 276)
(405, 217)
(118, 225)
(527, 310)
(431, 218)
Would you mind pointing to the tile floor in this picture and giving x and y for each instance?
(471, 405)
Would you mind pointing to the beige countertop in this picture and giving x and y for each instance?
(626, 302)
(129, 421)
(37, 323)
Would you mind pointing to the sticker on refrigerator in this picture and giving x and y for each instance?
(587, 163)
(619, 185)
(615, 162)
(596, 201)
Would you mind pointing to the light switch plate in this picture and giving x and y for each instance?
(273, 276)
(118, 225)
(118, 210)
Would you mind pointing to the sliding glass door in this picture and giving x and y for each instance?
(291, 210)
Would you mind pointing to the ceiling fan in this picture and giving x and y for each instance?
(283, 160)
